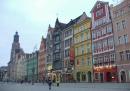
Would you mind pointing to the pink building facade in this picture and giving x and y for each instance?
(121, 26)
(104, 61)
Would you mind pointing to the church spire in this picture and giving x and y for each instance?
(16, 37)
(57, 23)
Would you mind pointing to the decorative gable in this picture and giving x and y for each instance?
(83, 17)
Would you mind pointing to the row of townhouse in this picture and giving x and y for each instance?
(86, 49)
(93, 48)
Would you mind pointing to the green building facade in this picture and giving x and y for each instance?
(32, 67)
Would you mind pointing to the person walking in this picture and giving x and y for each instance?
(58, 82)
(49, 83)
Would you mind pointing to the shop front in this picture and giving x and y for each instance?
(105, 74)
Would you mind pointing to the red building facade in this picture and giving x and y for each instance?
(42, 60)
(105, 69)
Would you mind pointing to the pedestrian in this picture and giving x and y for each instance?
(58, 82)
(49, 83)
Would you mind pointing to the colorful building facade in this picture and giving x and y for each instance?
(121, 22)
(42, 60)
(49, 49)
(67, 72)
(57, 66)
(105, 69)
(32, 67)
(83, 49)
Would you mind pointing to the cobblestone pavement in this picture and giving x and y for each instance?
(66, 87)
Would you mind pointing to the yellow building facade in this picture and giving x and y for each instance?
(83, 49)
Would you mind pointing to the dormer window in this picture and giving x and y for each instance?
(98, 5)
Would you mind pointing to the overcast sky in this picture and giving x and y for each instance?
(31, 19)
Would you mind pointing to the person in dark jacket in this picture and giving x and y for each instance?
(49, 83)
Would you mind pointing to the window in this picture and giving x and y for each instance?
(82, 37)
(57, 56)
(122, 12)
(109, 29)
(126, 39)
(120, 39)
(99, 45)
(105, 58)
(67, 53)
(95, 61)
(88, 48)
(117, 13)
(128, 54)
(110, 42)
(88, 36)
(99, 61)
(98, 33)
(68, 33)
(67, 43)
(82, 61)
(98, 5)
(94, 35)
(95, 47)
(112, 57)
(57, 38)
(82, 49)
(104, 31)
(123, 24)
(82, 27)
(70, 41)
(77, 62)
(121, 56)
(88, 61)
(118, 26)
(57, 47)
(99, 12)
(76, 39)
(104, 43)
